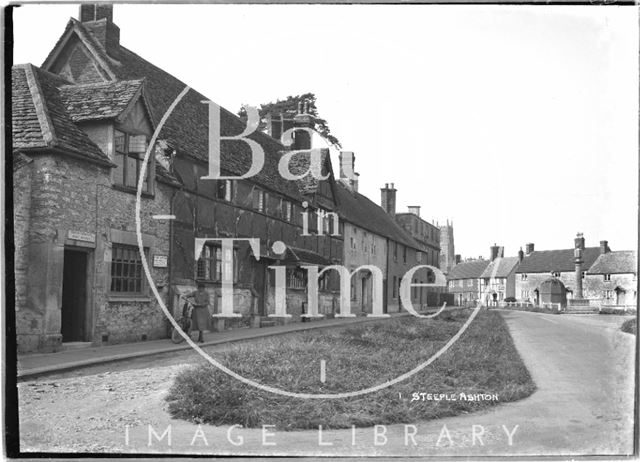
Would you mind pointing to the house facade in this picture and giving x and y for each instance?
(538, 266)
(498, 280)
(464, 281)
(612, 280)
(78, 270)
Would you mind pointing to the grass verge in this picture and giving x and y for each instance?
(630, 326)
(483, 361)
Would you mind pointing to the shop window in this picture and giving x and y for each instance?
(126, 270)
(129, 154)
(211, 263)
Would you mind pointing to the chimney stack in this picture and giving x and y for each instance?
(388, 199)
(529, 248)
(415, 209)
(348, 174)
(458, 258)
(496, 252)
(604, 247)
(97, 18)
(302, 138)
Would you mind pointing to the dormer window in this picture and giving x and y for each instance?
(129, 154)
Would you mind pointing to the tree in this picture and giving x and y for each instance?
(290, 106)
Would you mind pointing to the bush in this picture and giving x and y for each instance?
(484, 360)
(630, 326)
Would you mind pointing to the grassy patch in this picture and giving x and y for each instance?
(630, 326)
(484, 360)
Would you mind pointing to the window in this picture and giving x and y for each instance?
(129, 154)
(353, 243)
(287, 210)
(555, 274)
(404, 254)
(296, 278)
(259, 200)
(418, 257)
(126, 269)
(364, 243)
(394, 288)
(607, 277)
(608, 294)
(211, 263)
(395, 252)
(224, 190)
(470, 282)
(353, 289)
(323, 282)
(523, 277)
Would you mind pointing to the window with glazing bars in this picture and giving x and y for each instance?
(126, 269)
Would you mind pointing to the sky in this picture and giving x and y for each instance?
(517, 123)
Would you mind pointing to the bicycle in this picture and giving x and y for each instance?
(184, 322)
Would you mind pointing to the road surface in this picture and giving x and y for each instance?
(582, 366)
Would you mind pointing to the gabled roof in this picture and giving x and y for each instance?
(187, 128)
(364, 213)
(99, 101)
(468, 269)
(621, 261)
(501, 267)
(546, 261)
(40, 120)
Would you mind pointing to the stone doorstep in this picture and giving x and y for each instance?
(66, 346)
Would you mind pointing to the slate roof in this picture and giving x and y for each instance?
(500, 267)
(99, 101)
(622, 261)
(40, 120)
(468, 269)
(546, 261)
(187, 128)
(361, 211)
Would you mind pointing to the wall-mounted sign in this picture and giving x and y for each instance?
(160, 261)
(81, 236)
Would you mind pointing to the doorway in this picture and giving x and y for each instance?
(74, 296)
(620, 296)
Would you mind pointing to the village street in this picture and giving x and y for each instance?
(580, 364)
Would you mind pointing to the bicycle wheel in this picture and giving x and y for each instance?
(176, 335)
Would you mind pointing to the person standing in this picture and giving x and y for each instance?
(200, 313)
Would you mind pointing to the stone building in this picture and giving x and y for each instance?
(425, 233)
(423, 251)
(447, 248)
(77, 154)
(464, 281)
(103, 103)
(537, 266)
(612, 280)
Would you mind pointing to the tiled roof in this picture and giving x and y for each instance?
(546, 261)
(468, 269)
(361, 211)
(622, 261)
(500, 267)
(187, 128)
(40, 119)
(99, 101)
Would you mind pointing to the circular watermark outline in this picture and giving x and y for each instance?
(223, 368)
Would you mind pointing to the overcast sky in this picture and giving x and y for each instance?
(519, 123)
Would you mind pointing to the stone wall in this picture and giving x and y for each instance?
(70, 195)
